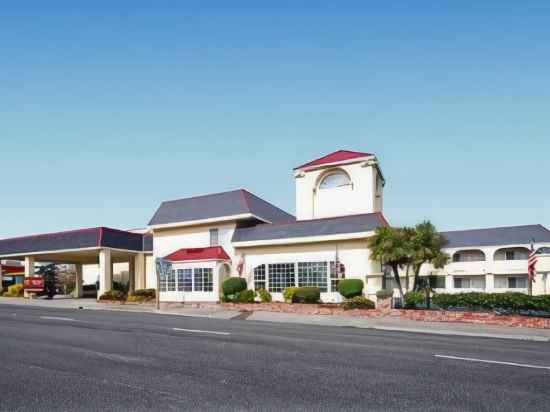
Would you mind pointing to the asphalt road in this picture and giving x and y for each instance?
(53, 359)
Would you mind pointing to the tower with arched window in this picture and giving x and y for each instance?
(339, 184)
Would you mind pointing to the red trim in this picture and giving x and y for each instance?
(100, 237)
(13, 269)
(338, 156)
(203, 253)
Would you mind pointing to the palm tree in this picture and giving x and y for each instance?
(390, 246)
(425, 246)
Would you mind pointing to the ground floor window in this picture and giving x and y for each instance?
(185, 280)
(510, 282)
(313, 274)
(469, 282)
(259, 277)
(281, 276)
(436, 282)
(203, 280)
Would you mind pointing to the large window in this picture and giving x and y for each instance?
(510, 282)
(185, 280)
(335, 179)
(313, 274)
(163, 280)
(259, 277)
(469, 282)
(469, 256)
(214, 237)
(203, 280)
(281, 276)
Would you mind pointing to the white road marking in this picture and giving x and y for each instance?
(213, 332)
(57, 318)
(521, 365)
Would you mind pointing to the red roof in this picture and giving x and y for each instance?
(201, 253)
(338, 156)
(12, 269)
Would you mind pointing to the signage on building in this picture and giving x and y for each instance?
(33, 284)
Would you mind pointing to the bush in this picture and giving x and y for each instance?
(14, 291)
(384, 294)
(350, 288)
(307, 295)
(358, 302)
(142, 295)
(507, 302)
(245, 296)
(288, 294)
(113, 295)
(232, 286)
(265, 296)
(414, 300)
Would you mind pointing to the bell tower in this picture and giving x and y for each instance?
(339, 184)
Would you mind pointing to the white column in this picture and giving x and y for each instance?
(131, 275)
(105, 272)
(78, 291)
(140, 271)
(29, 266)
(489, 282)
(449, 284)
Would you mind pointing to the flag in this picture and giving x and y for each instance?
(240, 265)
(532, 264)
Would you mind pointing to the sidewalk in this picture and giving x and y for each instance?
(381, 323)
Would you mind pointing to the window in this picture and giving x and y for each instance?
(203, 280)
(469, 256)
(214, 237)
(185, 280)
(163, 280)
(543, 251)
(437, 282)
(171, 281)
(336, 275)
(259, 277)
(510, 255)
(510, 282)
(335, 179)
(313, 274)
(281, 276)
(469, 282)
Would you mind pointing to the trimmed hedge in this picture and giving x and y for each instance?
(350, 288)
(414, 300)
(232, 286)
(264, 295)
(288, 294)
(245, 296)
(509, 301)
(384, 294)
(142, 295)
(307, 295)
(358, 302)
(113, 295)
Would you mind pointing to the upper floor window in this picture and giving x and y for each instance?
(469, 256)
(516, 253)
(214, 237)
(543, 251)
(335, 179)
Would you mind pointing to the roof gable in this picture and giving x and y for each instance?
(217, 205)
(338, 156)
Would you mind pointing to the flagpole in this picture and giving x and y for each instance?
(531, 271)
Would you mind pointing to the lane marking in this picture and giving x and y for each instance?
(521, 365)
(213, 332)
(57, 318)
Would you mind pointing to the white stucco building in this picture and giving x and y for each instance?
(339, 205)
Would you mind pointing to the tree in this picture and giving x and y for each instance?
(425, 246)
(391, 246)
(49, 274)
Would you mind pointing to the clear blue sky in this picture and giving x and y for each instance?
(106, 110)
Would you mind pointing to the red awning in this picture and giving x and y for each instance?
(202, 253)
(13, 269)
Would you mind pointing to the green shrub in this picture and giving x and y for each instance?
(113, 295)
(414, 300)
(245, 296)
(358, 302)
(288, 294)
(142, 295)
(307, 295)
(350, 288)
(232, 286)
(264, 295)
(509, 301)
(384, 294)
(14, 291)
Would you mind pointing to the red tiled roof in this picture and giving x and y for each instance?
(333, 157)
(202, 253)
(12, 269)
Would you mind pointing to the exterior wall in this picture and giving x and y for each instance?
(353, 254)
(360, 197)
(90, 273)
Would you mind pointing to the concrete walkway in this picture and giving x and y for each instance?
(384, 323)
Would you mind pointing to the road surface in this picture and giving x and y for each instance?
(57, 359)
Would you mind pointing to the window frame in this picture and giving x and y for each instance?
(214, 236)
(334, 173)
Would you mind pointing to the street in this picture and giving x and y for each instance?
(62, 359)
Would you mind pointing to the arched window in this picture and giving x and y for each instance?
(543, 251)
(473, 255)
(512, 253)
(335, 179)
